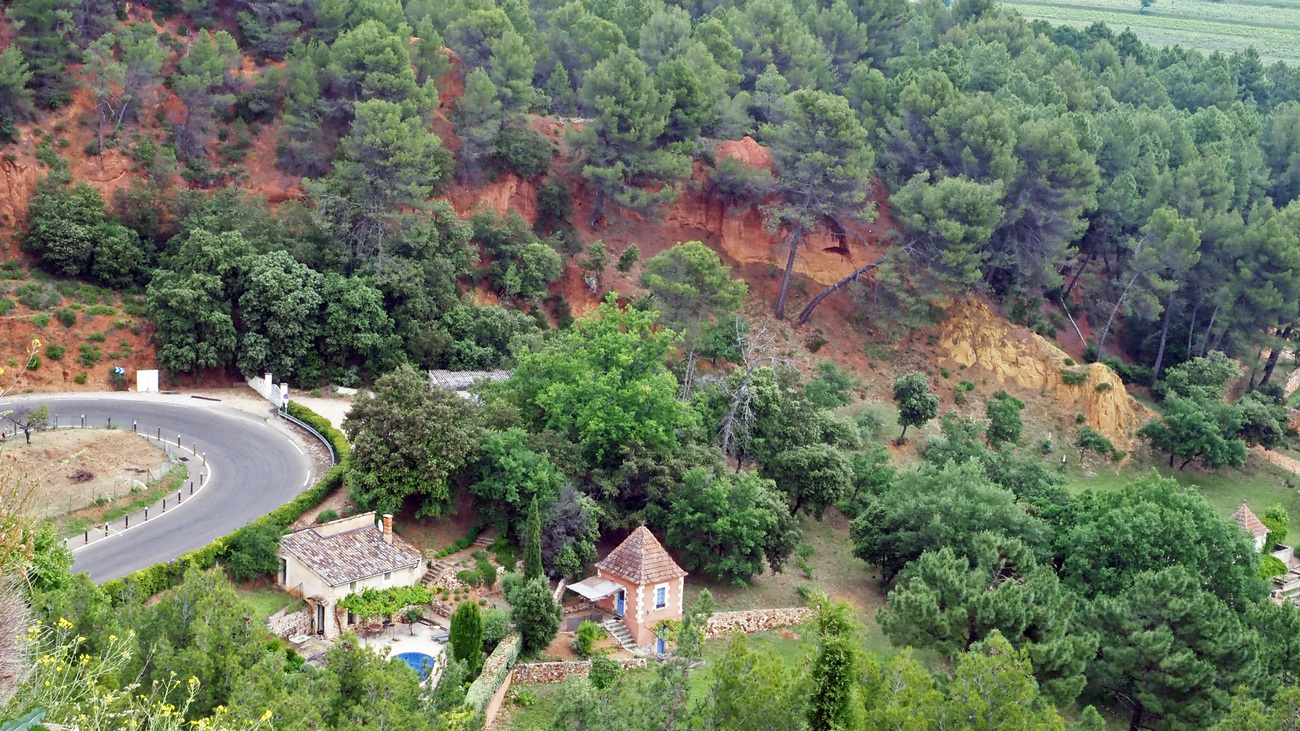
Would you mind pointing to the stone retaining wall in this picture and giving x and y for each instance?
(288, 625)
(755, 620)
(544, 673)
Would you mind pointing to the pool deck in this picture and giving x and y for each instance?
(399, 639)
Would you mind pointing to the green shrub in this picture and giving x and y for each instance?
(37, 296)
(324, 427)
(66, 316)
(90, 355)
(1079, 418)
(34, 362)
(6, 305)
(468, 577)
(628, 259)
(965, 386)
(80, 378)
(523, 150)
(1103, 387)
(1074, 378)
(252, 551)
(1091, 440)
(604, 672)
(1069, 361)
(94, 310)
(496, 623)
(1270, 566)
(97, 337)
(55, 352)
(326, 516)
(487, 573)
(589, 633)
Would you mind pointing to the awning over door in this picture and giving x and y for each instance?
(594, 588)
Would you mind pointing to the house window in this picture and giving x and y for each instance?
(388, 576)
(352, 586)
(661, 596)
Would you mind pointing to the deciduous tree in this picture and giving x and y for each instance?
(407, 439)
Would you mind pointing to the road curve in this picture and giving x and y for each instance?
(256, 468)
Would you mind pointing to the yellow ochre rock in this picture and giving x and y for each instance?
(976, 338)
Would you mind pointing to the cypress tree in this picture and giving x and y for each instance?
(467, 634)
(533, 543)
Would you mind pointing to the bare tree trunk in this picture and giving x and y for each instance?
(1272, 357)
(1070, 317)
(1075, 280)
(1191, 327)
(1101, 342)
(1164, 336)
(789, 269)
(1209, 330)
(808, 310)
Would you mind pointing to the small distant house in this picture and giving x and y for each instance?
(325, 563)
(639, 582)
(1252, 525)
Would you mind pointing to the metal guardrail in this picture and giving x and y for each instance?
(334, 457)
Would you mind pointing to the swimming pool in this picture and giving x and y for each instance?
(421, 663)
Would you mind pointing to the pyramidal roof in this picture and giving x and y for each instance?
(641, 559)
(1249, 522)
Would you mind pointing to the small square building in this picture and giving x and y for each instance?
(325, 563)
(639, 582)
(1252, 525)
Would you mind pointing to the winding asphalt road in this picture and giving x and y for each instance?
(255, 469)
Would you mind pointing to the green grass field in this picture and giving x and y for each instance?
(1271, 26)
(1260, 483)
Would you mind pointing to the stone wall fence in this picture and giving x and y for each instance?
(755, 620)
(287, 624)
(545, 673)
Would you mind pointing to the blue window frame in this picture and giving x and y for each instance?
(661, 597)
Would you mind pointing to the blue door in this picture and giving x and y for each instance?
(659, 645)
(618, 603)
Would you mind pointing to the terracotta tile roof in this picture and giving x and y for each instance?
(641, 559)
(1249, 522)
(351, 555)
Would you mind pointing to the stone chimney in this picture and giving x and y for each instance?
(388, 529)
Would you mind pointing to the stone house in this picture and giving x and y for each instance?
(1252, 525)
(325, 563)
(639, 582)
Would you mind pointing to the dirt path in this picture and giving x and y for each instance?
(1281, 460)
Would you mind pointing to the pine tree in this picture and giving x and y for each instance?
(466, 634)
(823, 169)
(533, 543)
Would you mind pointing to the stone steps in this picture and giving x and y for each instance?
(618, 631)
(435, 572)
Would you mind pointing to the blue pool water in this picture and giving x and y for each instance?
(419, 662)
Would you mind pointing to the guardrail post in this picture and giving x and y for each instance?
(178, 441)
(146, 514)
(86, 537)
(56, 421)
(164, 505)
(127, 523)
(106, 530)
(83, 421)
(205, 459)
(110, 422)
(191, 487)
(201, 476)
(178, 497)
(135, 427)
(160, 433)
(195, 450)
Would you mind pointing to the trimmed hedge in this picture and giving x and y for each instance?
(496, 668)
(322, 425)
(162, 576)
